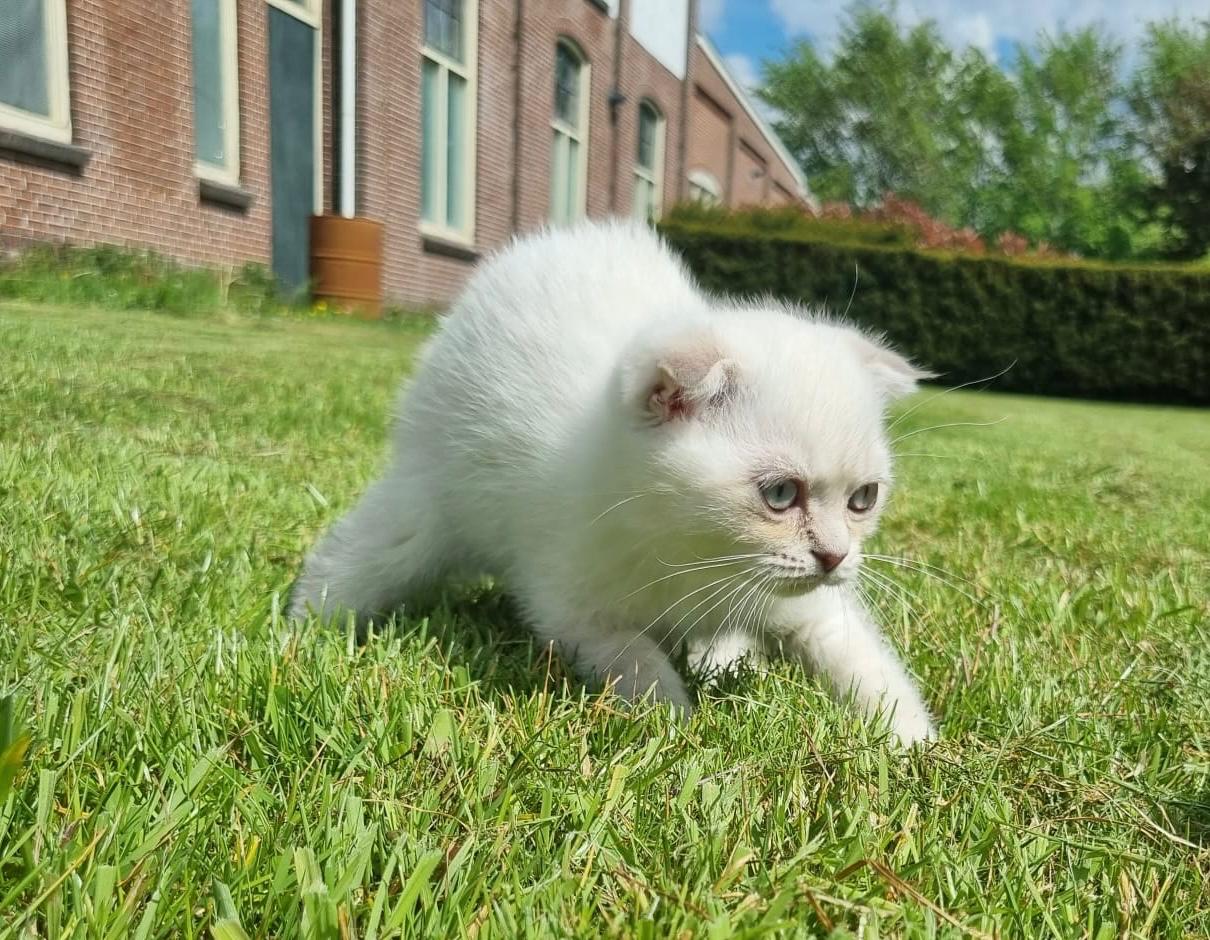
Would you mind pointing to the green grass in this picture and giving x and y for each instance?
(113, 278)
(191, 764)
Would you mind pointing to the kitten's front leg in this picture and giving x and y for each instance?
(835, 636)
(631, 665)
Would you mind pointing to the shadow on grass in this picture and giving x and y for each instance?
(481, 629)
(1192, 817)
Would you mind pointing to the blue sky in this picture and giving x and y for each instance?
(747, 31)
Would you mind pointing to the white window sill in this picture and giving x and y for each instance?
(227, 195)
(43, 150)
(443, 243)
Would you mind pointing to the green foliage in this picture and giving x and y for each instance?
(855, 231)
(114, 278)
(1066, 328)
(198, 768)
(1171, 97)
(124, 279)
(880, 116)
(1060, 146)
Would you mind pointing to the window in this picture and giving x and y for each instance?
(649, 163)
(215, 91)
(447, 113)
(34, 95)
(704, 188)
(569, 156)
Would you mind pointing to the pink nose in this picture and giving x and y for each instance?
(829, 561)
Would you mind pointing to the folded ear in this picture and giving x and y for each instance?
(677, 376)
(895, 374)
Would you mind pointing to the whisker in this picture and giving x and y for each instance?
(757, 596)
(955, 424)
(892, 588)
(944, 577)
(668, 564)
(954, 388)
(618, 505)
(904, 560)
(725, 582)
(736, 610)
(853, 295)
(706, 613)
(760, 610)
(683, 571)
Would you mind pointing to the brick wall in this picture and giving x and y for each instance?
(132, 110)
(711, 145)
(727, 143)
(132, 107)
(423, 271)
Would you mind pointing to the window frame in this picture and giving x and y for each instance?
(654, 174)
(578, 134)
(229, 172)
(468, 71)
(306, 10)
(704, 181)
(55, 126)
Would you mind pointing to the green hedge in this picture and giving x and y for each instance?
(1072, 328)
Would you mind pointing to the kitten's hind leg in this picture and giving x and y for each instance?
(383, 551)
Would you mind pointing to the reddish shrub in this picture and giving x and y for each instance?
(835, 210)
(1012, 244)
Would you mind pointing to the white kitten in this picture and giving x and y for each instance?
(642, 466)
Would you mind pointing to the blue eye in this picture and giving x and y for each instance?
(780, 495)
(864, 498)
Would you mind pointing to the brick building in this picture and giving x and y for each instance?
(211, 130)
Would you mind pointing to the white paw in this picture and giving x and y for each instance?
(913, 727)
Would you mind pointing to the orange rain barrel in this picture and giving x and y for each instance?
(346, 263)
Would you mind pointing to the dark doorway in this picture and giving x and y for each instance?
(292, 145)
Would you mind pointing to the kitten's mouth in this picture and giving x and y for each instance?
(789, 582)
(789, 577)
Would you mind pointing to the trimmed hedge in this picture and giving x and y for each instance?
(1073, 328)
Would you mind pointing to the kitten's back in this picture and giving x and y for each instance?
(535, 336)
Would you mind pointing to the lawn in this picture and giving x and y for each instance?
(196, 767)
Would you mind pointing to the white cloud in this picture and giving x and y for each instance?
(981, 23)
(710, 15)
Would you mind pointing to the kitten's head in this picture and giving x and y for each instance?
(762, 431)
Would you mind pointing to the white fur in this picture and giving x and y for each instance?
(591, 428)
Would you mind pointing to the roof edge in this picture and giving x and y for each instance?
(715, 59)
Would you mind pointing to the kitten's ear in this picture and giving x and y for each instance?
(678, 377)
(895, 374)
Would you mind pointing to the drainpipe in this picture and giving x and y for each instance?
(348, 108)
(682, 143)
(518, 38)
(616, 100)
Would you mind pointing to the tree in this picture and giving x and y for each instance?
(1043, 149)
(1170, 98)
(880, 116)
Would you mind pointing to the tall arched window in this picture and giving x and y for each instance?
(649, 163)
(569, 152)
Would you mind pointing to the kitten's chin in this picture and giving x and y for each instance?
(799, 584)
